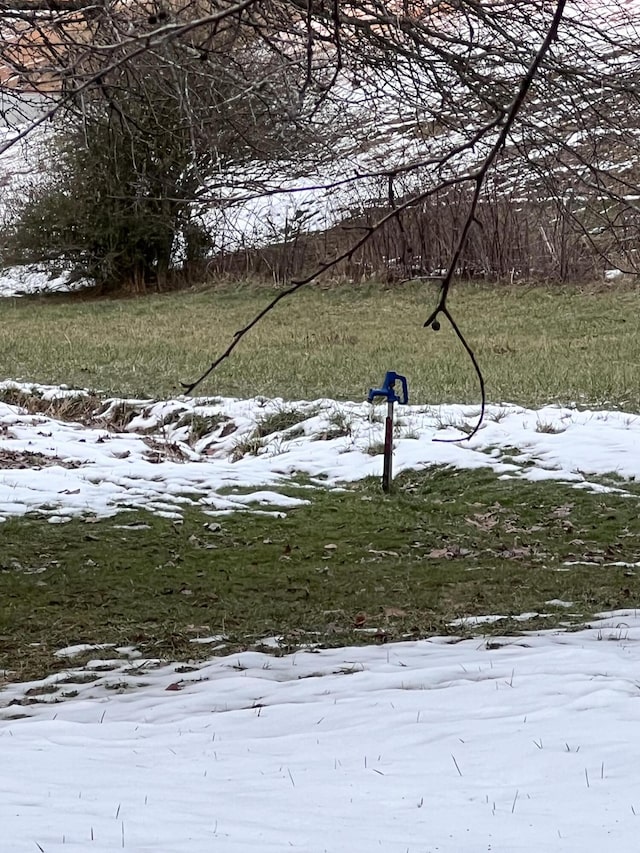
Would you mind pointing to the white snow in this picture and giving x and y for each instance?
(520, 745)
(65, 470)
(79, 648)
(490, 619)
(513, 745)
(32, 278)
(613, 274)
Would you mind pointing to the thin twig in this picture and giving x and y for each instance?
(479, 179)
(369, 230)
(481, 173)
(141, 45)
(506, 122)
(457, 765)
(474, 361)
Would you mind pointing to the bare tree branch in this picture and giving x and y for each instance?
(506, 122)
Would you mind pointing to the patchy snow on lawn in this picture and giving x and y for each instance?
(517, 745)
(228, 455)
(31, 279)
(521, 745)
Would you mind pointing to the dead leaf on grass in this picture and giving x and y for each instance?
(394, 612)
(448, 553)
(516, 553)
(561, 511)
(228, 429)
(27, 459)
(483, 521)
(438, 553)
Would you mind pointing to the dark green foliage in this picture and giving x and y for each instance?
(116, 226)
(115, 199)
(130, 158)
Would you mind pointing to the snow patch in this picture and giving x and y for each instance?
(68, 470)
(524, 744)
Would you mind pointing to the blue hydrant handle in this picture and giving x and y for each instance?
(387, 390)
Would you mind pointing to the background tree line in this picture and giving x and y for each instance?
(161, 124)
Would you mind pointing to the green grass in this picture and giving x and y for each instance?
(446, 544)
(535, 345)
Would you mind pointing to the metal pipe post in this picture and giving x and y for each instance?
(388, 392)
(387, 472)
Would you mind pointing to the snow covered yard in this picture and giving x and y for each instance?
(517, 745)
(514, 744)
(500, 744)
(134, 454)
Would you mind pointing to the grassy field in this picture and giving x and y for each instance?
(352, 567)
(535, 345)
